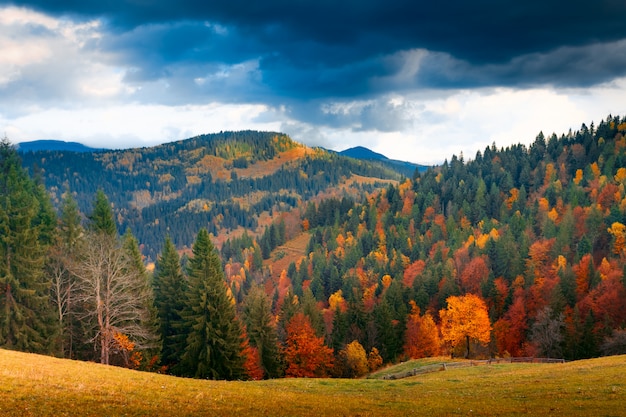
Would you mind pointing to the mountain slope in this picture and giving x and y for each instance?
(225, 182)
(53, 145)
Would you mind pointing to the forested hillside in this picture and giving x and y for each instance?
(518, 251)
(223, 182)
(536, 233)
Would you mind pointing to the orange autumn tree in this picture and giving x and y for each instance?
(465, 319)
(421, 338)
(305, 353)
(130, 357)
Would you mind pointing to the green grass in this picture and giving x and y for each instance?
(32, 385)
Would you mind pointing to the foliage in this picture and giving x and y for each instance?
(465, 319)
(27, 320)
(422, 335)
(304, 352)
(169, 288)
(354, 360)
(214, 338)
(262, 331)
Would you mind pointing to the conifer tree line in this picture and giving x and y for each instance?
(516, 252)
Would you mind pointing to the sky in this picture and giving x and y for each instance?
(414, 80)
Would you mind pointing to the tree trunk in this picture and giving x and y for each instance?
(467, 352)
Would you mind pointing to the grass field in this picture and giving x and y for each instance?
(32, 385)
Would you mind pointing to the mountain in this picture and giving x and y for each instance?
(406, 168)
(360, 152)
(228, 182)
(53, 145)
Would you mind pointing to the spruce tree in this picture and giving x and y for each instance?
(169, 289)
(26, 315)
(214, 336)
(101, 218)
(262, 332)
(143, 287)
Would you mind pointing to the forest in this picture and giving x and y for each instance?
(222, 182)
(518, 251)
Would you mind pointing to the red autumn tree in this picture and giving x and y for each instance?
(252, 366)
(305, 353)
(465, 319)
(413, 271)
(422, 335)
(474, 274)
(608, 298)
(510, 330)
(583, 272)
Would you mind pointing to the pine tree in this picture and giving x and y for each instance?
(214, 336)
(262, 331)
(144, 290)
(169, 289)
(101, 218)
(26, 314)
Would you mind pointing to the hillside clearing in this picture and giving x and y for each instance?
(32, 385)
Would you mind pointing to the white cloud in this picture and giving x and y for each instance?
(46, 61)
(134, 125)
(468, 121)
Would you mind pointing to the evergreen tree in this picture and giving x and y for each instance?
(144, 288)
(214, 336)
(262, 331)
(101, 218)
(26, 315)
(169, 289)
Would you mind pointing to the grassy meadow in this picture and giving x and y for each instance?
(32, 385)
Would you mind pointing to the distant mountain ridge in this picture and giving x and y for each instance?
(226, 182)
(363, 153)
(53, 145)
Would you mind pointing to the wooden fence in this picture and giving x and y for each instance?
(452, 365)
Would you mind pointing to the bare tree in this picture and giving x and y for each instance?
(614, 344)
(547, 333)
(62, 288)
(112, 294)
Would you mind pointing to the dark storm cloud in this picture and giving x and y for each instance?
(301, 53)
(478, 31)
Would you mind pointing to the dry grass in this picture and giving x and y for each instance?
(290, 252)
(262, 168)
(32, 385)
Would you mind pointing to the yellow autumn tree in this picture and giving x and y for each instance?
(618, 231)
(355, 360)
(464, 320)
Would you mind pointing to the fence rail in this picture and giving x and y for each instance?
(444, 366)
